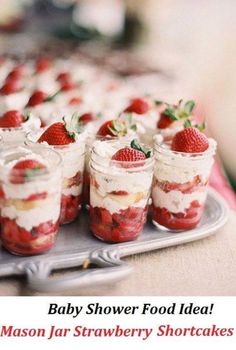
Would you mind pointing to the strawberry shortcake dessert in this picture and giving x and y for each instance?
(30, 190)
(181, 174)
(121, 178)
(68, 140)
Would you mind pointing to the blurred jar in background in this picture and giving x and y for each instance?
(12, 14)
(106, 17)
(197, 40)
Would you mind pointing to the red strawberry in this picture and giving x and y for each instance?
(138, 105)
(42, 64)
(119, 193)
(16, 73)
(12, 119)
(36, 196)
(164, 122)
(37, 98)
(63, 76)
(67, 85)
(113, 128)
(190, 140)
(87, 117)
(128, 154)
(24, 170)
(10, 87)
(56, 134)
(75, 101)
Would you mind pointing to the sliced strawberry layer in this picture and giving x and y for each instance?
(75, 180)
(37, 196)
(74, 101)
(18, 240)
(187, 187)
(70, 207)
(118, 227)
(178, 221)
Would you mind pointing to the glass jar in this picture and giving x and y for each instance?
(89, 144)
(73, 159)
(30, 199)
(179, 187)
(119, 193)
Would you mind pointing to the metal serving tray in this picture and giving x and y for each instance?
(101, 262)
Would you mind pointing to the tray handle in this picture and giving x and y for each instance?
(109, 269)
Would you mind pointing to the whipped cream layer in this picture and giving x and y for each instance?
(24, 190)
(16, 206)
(72, 191)
(73, 158)
(111, 178)
(47, 210)
(182, 168)
(176, 201)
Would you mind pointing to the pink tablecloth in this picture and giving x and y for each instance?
(219, 182)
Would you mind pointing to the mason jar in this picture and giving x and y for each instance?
(31, 195)
(119, 193)
(73, 159)
(180, 185)
(92, 137)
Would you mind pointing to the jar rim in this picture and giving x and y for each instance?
(129, 165)
(73, 145)
(36, 149)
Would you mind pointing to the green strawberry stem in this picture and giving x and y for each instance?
(200, 127)
(180, 112)
(135, 145)
(118, 128)
(158, 102)
(27, 116)
(74, 126)
(52, 97)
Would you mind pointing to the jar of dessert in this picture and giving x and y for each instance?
(31, 195)
(121, 178)
(180, 180)
(70, 144)
(120, 128)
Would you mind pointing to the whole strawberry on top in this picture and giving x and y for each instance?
(138, 105)
(134, 153)
(117, 127)
(38, 97)
(190, 140)
(42, 64)
(62, 133)
(175, 113)
(13, 119)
